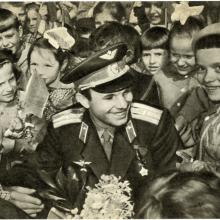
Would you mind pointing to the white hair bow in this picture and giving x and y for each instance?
(183, 11)
(59, 38)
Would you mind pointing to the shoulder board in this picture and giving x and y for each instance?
(146, 113)
(69, 116)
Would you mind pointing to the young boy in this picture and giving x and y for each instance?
(155, 49)
(155, 56)
(203, 104)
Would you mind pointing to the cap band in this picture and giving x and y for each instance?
(106, 74)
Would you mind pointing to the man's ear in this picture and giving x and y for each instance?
(64, 64)
(82, 100)
(129, 56)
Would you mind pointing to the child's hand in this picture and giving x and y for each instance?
(16, 129)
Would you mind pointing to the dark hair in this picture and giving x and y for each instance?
(182, 195)
(155, 37)
(133, 40)
(116, 9)
(8, 20)
(210, 41)
(6, 56)
(87, 94)
(44, 44)
(32, 5)
(114, 32)
(106, 35)
(191, 26)
(81, 48)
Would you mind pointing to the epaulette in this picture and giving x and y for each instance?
(69, 116)
(145, 113)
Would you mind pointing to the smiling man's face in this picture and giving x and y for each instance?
(110, 108)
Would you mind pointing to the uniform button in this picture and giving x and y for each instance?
(178, 104)
(186, 76)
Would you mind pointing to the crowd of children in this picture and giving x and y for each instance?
(175, 64)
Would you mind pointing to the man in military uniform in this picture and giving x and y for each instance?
(113, 135)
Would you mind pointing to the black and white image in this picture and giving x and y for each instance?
(109, 110)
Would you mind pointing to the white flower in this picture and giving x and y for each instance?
(109, 199)
(143, 171)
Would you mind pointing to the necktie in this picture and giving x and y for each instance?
(107, 144)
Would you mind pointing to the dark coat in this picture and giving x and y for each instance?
(62, 146)
(145, 88)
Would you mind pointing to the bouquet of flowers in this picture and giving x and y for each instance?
(71, 198)
(110, 199)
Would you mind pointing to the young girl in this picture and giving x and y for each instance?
(48, 63)
(179, 75)
(178, 78)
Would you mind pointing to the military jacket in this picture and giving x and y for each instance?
(149, 140)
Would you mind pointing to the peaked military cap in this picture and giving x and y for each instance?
(104, 71)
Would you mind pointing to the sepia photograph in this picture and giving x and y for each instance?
(109, 109)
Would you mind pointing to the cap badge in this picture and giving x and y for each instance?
(116, 69)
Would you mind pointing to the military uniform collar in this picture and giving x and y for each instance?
(101, 128)
(88, 121)
(92, 150)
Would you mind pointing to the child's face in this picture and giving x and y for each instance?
(103, 17)
(9, 39)
(181, 54)
(33, 19)
(154, 13)
(8, 85)
(154, 59)
(45, 64)
(208, 73)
